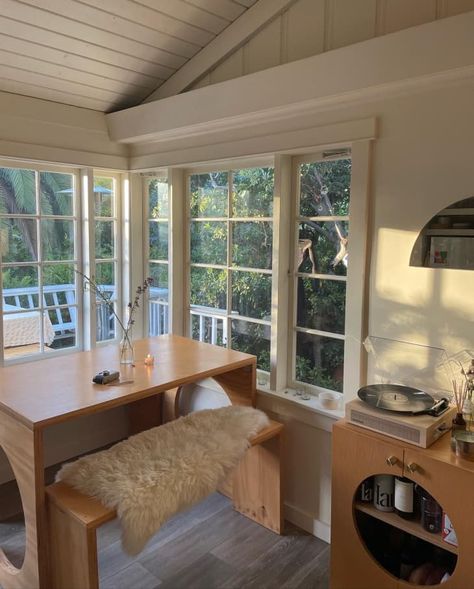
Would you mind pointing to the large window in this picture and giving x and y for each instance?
(231, 238)
(320, 271)
(157, 228)
(39, 253)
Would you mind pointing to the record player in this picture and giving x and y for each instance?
(417, 416)
(405, 420)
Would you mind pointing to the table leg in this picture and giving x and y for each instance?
(24, 450)
(144, 414)
(240, 385)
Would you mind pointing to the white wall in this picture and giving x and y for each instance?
(36, 129)
(311, 27)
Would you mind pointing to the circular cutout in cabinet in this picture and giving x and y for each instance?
(405, 530)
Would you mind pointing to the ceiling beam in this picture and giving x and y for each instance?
(231, 38)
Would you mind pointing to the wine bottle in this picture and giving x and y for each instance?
(366, 490)
(404, 495)
(383, 492)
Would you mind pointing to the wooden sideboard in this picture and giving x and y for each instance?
(358, 454)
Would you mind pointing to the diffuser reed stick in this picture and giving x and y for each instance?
(460, 390)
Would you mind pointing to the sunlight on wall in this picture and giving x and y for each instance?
(418, 305)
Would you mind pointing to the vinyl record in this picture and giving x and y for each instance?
(394, 397)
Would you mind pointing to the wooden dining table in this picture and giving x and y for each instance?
(40, 394)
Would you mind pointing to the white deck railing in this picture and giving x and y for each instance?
(60, 301)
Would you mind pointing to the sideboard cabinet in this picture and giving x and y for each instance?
(359, 454)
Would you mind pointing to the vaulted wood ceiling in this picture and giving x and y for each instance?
(104, 54)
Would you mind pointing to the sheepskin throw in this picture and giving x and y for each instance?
(161, 471)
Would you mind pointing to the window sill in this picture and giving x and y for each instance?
(313, 405)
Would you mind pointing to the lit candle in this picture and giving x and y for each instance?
(149, 360)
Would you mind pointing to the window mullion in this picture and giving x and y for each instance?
(280, 279)
(88, 257)
(229, 260)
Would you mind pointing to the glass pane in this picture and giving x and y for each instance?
(17, 191)
(211, 330)
(104, 239)
(252, 294)
(105, 277)
(63, 322)
(22, 333)
(105, 321)
(209, 242)
(158, 240)
(57, 239)
(56, 194)
(252, 244)
(104, 196)
(209, 288)
(158, 199)
(252, 194)
(20, 288)
(18, 239)
(323, 247)
(252, 338)
(320, 361)
(209, 194)
(159, 287)
(321, 304)
(59, 284)
(158, 318)
(325, 188)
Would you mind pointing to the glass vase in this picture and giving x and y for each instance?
(126, 350)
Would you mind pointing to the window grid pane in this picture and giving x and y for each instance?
(231, 237)
(321, 252)
(157, 225)
(105, 207)
(37, 234)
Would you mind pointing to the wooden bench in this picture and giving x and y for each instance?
(73, 518)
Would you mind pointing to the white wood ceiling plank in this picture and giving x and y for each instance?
(234, 36)
(151, 13)
(224, 8)
(58, 41)
(77, 62)
(28, 12)
(104, 15)
(34, 78)
(25, 89)
(246, 3)
(60, 72)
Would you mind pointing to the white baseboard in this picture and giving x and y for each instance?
(305, 521)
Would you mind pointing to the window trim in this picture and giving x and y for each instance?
(225, 314)
(356, 287)
(76, 218)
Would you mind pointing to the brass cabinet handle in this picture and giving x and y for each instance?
(391, 460)
(412, 467)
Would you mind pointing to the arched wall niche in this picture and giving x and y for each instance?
(447, 240)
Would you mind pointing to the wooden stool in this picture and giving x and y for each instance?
(73, 518)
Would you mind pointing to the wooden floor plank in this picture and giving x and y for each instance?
(132, 576)
(208, 547)
(208, 572)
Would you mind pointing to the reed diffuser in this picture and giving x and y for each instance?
(460, 390)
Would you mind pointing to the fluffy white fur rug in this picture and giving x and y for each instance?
(154, 474)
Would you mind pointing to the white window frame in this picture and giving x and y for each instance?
(161, 175)
(356, 302)
(77, 261)
(221, 314)
(117, 260)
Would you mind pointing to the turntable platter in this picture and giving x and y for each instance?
(393, 397)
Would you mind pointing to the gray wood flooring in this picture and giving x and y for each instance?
(208, 547)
